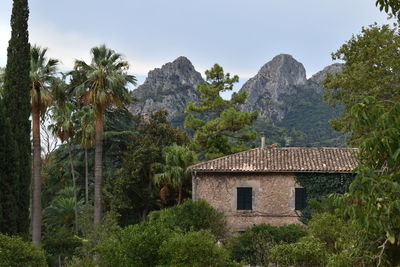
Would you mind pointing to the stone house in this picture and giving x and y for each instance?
(259, 185)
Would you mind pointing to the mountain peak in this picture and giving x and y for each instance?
(169, 87)
(182, 60)
(284, 70)
(278, 77)
(321, 75)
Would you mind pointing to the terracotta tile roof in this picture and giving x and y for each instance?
(286, 159)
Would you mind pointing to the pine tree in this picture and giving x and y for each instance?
(18, 109)
(220, 128)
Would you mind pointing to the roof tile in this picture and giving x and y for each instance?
(285, 159)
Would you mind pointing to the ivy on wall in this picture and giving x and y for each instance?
(319, 185)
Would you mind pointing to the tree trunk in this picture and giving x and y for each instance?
(86, 178)
(37, 181)
(98, 161)
(74, 188)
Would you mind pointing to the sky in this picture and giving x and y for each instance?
(240, 35)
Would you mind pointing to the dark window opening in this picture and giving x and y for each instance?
(244, 198)
(300, 198)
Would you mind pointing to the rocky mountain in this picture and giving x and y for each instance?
(170, 88)
(281, 76)
(291, 107)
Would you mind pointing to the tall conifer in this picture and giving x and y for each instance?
(18, 107)
(8, 173)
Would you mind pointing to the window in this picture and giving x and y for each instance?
(300, 198)
(244, 198)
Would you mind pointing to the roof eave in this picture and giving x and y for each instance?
(270, 171)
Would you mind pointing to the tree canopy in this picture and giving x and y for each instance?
(220, 128)
(18, 108)
(390, 6)
(369, 89)
(372, 67)
(104, 84)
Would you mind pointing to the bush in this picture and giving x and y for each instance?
(193, 249)
(135, 245)
(60, 245)
(191, 216)
(327, 228)
(15, 252)
(254, 244)
(308, 251)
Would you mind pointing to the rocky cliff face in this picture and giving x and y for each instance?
(281, 76)
(291, 107)
(169, 87)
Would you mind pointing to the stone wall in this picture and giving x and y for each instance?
(273, 197)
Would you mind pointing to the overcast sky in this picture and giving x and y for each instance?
(240, 35)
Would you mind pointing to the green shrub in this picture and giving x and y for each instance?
(308, 251)
(60, 244)
(135, 245)
(191, 216)
(193, 249)
(327, 228)
(254, 244)
(15, 252)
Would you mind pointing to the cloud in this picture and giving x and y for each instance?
(68, 46)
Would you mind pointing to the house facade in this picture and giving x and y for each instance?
(259, 185)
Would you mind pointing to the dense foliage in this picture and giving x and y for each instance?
(8, 172)
(220, 128)
(372, 64)
(17, 107)
(319, 185)
(191, 216)
(133, 190)
(369, 89)
(254, 245)
(182, 235)
(314, 131)
(195, 249)
(174, 172)
(16, 252)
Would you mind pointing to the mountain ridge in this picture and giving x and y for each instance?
(291, 107)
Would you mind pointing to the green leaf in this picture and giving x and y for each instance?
(390, 238)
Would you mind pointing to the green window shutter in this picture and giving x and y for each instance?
(300, 198)
(244, 198)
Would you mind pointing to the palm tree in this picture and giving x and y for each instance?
(42, 74)
(104, 85)
(174, 172)
(61, 212)
(64, 129)
(85, 136)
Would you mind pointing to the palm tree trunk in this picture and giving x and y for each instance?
(74, 188)
(98, 161)
(37, 181)
(86, 178)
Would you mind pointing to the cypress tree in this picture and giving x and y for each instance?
(18, 108)
(8, 174)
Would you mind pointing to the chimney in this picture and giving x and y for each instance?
(262, 142)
